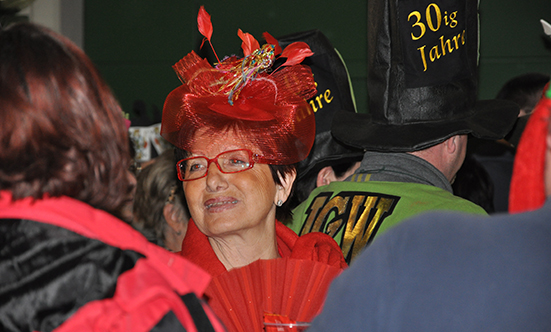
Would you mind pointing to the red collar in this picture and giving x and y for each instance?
(313, 246)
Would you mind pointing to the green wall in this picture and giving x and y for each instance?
(135, 42)
(512, 41)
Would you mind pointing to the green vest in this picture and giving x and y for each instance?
(353, 213)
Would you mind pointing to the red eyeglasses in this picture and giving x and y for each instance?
(232, 161)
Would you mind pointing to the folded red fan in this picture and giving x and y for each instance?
(286, 288)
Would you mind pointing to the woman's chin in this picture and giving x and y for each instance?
(223, 231)
(223, 224)
(228, 225)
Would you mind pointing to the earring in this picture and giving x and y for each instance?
(279, 203)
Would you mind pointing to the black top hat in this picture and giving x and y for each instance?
(334, 93)
(422, 79)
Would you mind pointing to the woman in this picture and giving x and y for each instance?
(240, 128)
(160, 209)
(67, 263)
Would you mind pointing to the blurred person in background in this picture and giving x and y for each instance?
(160, 209)
(68, 263)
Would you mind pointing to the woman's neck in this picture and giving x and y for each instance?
(240, 250)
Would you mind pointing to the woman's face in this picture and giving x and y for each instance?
(223, 204)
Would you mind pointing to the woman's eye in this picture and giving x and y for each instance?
(236, 161)
(195, 167)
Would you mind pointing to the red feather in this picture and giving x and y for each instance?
(295, 53)
(250, 44)
(205, 27)
(271, 40)
(204, 24)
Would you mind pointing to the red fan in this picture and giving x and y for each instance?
(291, 288)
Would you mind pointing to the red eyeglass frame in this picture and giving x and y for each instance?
(253, 157)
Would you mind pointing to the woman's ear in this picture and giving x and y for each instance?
(284, 190)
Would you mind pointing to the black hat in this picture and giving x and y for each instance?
(422, 79)
(334, 93)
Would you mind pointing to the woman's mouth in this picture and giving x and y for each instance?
(216, 204)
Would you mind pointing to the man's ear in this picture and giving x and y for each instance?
(325, 176)
(284, 190)
(452, 144)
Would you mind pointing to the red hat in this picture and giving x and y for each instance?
(260, 104)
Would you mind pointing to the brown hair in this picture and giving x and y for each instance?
(61, 129)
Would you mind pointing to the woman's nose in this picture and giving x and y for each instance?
(216, 180)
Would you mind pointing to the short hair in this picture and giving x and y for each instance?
(283, 212)
(157, 184)
(62, 130)
(524, 90)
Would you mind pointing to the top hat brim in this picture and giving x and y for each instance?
(491, 119)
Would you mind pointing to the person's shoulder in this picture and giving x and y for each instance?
(425, 197)
(422, 197)
(452, 202)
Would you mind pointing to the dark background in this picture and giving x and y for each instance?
(135, 42)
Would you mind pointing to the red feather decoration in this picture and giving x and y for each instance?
(271, 40)
(205, 27)
(295, 53)
(283, 289)
(250, 44)
(204, 24)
